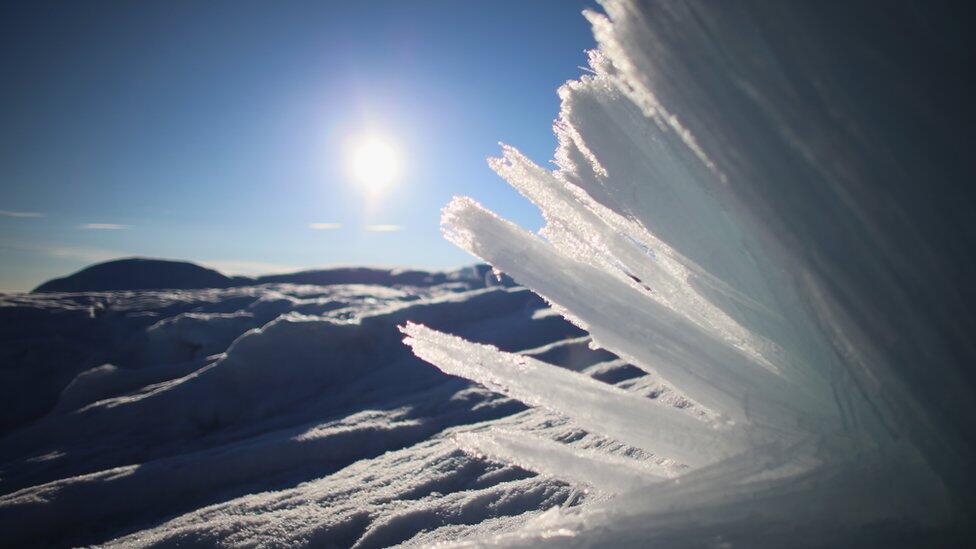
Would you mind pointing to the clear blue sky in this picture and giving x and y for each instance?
(214, 131)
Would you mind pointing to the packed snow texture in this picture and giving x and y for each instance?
(713, 219)
(275, 414)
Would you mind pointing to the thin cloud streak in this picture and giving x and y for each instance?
(247, 268)
(8, 213)
(102, 226)
(383, 228)
(62, 251)
(90, 255)
(325, 226)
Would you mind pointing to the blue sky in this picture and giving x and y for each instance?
(215, 131)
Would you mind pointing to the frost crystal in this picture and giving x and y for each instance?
(692, 229)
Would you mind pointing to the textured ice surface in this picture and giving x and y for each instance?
(593, 405)
(758, 212)
(733, 212)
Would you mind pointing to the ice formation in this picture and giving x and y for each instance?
(758, 213)
(729, 213)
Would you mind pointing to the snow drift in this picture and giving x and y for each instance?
(268, 406)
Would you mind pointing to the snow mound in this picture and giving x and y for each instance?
(208, 402)
(49, 338)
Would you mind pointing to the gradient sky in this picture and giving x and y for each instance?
(214, 131)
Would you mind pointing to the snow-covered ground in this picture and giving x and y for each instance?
(277, 413)
(758, 230)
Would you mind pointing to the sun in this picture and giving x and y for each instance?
(374, 163)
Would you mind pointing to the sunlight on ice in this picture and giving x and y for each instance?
(797, 421)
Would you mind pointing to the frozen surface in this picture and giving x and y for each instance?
(733, 212)
(593, 405)
(749, 325)
(264, 414)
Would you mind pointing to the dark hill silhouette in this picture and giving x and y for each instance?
(158, 274)
(140, 274)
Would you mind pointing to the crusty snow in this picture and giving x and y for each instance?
(277, 414)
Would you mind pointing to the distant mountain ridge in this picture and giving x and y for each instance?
(139, 273)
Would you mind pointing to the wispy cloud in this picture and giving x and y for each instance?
(92, 255)
(324, 226)
(250, 268)
(103, 226)
(383, 228)
(8, 213)
(62, 251)
(79, 255)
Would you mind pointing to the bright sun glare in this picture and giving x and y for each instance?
(374, 163)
